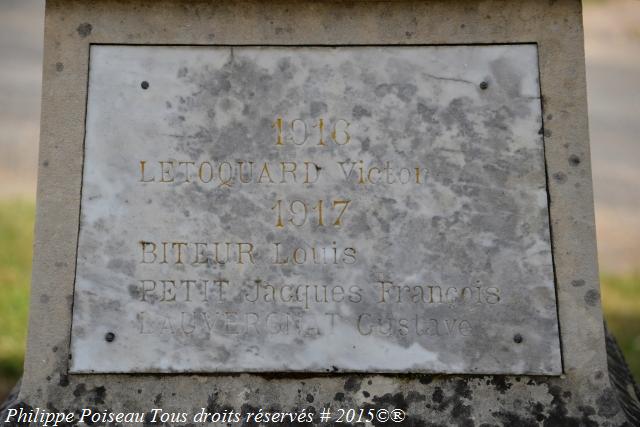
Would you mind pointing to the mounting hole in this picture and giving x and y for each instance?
(484, 85)
(144, 85)
(109, 337)
(517, 338)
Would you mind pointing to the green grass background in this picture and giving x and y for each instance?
(620, 296)
(16, 240)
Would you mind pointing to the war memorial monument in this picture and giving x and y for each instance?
(315, 213)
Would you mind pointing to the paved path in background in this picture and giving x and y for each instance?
(613, 72)
(612, 33)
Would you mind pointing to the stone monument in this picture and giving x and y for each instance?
(284, 207)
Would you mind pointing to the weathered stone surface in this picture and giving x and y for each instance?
(583, 395)
(374, 209)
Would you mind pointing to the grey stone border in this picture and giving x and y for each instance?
(583, 394)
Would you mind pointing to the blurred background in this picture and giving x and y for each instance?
(612, 38)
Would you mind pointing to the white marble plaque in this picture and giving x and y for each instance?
(320, 209)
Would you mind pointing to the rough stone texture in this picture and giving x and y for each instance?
(431, 246)
(622, 380)
(582, 396)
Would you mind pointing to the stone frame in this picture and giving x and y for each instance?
(556, 27)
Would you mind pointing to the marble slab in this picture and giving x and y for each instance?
(318, 209)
